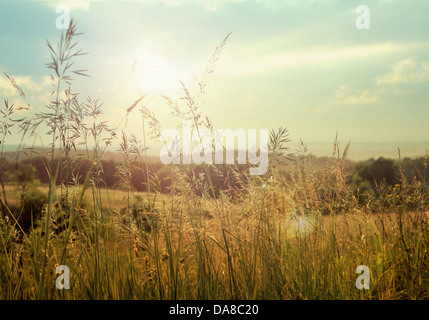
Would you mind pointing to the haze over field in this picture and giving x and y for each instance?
(299, 64)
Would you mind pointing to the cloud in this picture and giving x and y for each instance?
(6, 89)
(407, 70)
(288, 59)
(348, 95)
(211, 5)
(71, 4)
(35, 89)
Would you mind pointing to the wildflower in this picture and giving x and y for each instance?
(165, 256)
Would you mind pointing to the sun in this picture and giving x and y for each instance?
(149, 71)
(153, 75)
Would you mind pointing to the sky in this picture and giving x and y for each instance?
(299, 64)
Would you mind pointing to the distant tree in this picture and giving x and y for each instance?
(3, 170)
(109, 170)
(41, 172)
(416, 169)
(31, 207)
(25, 175)
(380, 170)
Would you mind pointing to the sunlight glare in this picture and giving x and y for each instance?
(153, 75)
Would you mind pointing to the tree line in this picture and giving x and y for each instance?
(369, 173)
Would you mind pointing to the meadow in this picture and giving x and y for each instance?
(294, 235)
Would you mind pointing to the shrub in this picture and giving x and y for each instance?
(31, 207)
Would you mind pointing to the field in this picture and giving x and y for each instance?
(213, 232)
(212, 249)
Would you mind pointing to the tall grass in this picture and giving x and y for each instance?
(299, 236)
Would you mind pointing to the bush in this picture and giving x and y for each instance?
(31, 208)
(380, 170)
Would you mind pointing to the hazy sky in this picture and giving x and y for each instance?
(300, 64)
